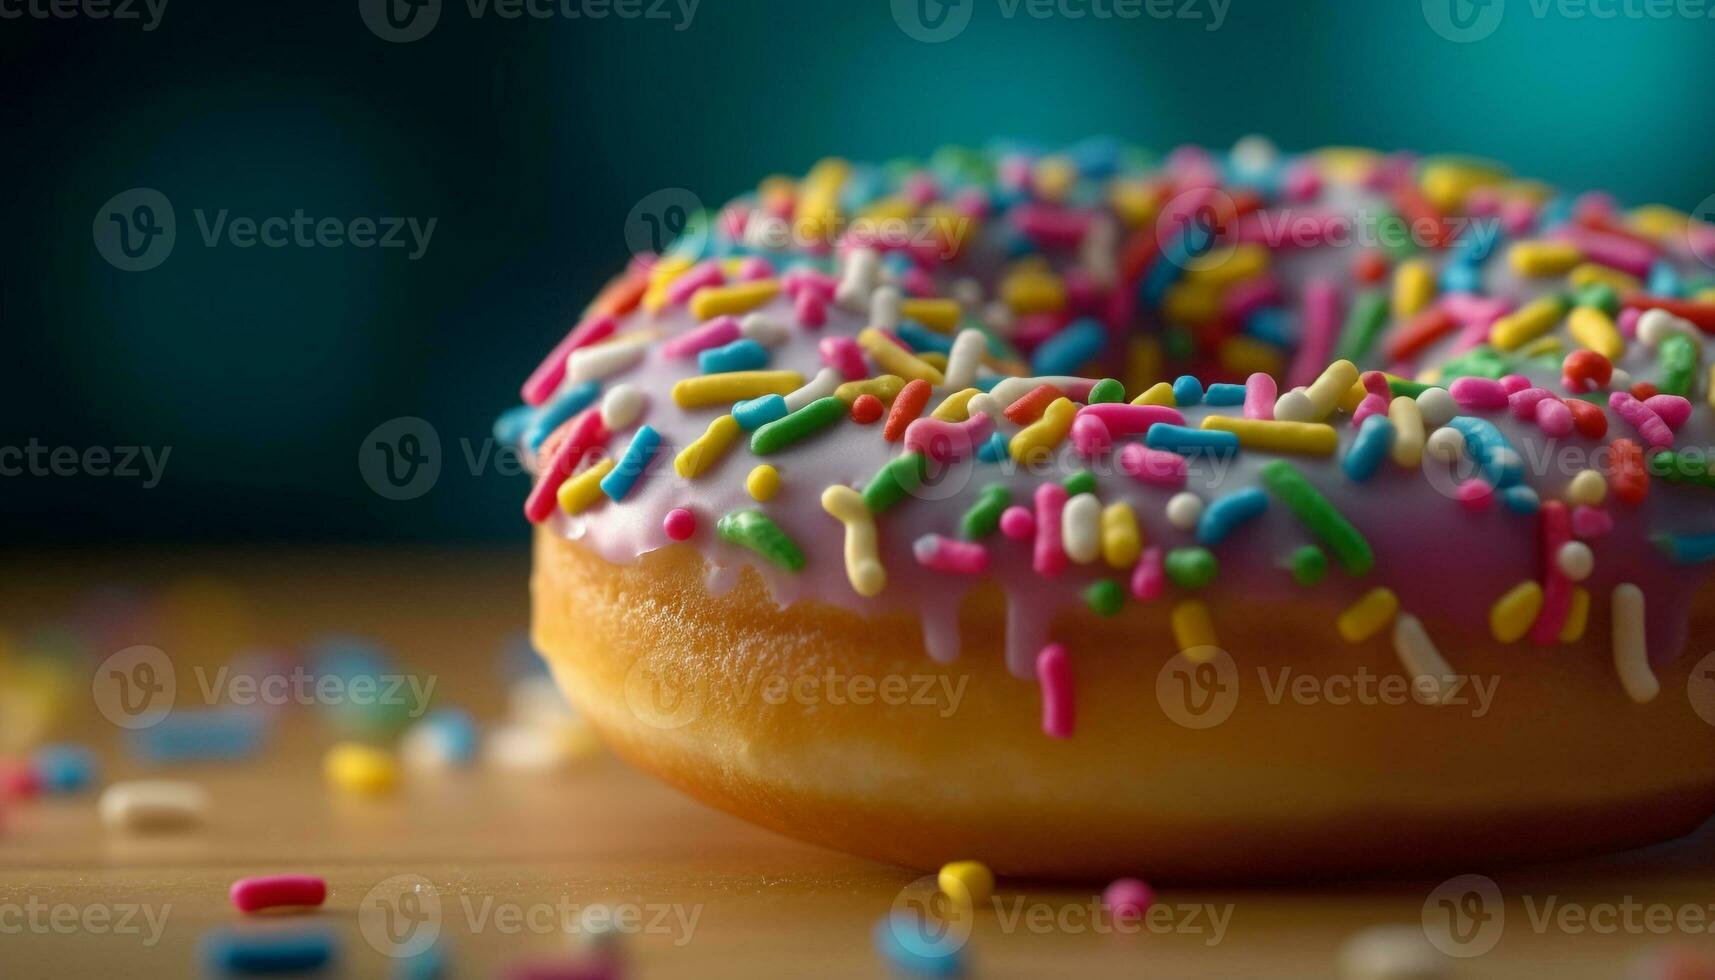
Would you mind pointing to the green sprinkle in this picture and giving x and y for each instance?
(1394, 234)
(1106, 391)
(1599, 295)
(1105, 597)
(1348, 544)
(1308, 565)
(1192, 568)
(984, 516)
(806, 421)
(1678, 365)
(752, 529)
(1410, 389)
(1364, 325)
(1674, 468)
(1082, 481)
(894, 481)
(1480, 362)
(1177, 342)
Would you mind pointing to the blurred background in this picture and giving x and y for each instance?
(255, 374)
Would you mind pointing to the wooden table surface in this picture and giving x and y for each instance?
(514, 857)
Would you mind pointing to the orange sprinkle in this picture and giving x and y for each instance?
(1419, 332)
(1370, 267)
(907, 405)
(866, 408)
(1030, 406)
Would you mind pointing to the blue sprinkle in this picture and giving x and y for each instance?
(1457, 277)
(619, 481)
(214, 735)
(754, 413)
(1017, 243)
(1501, 464)
(1064, 353)
(921, 338)
(1225, 514)
(1153, 287)
(65, 768)
(1097, 157)
(267, 950)
(1477, 244)
(1664, 280)
(1364, 456)
(455, 734)
(743, 354)
(994, 450)
(563, 406)
(430, 964)
(1271, 325)
(1224, 395)
(897, 263)
(1556, 212)
(1188, 391)
(1521, 500)
(988, 382)
(917, 947)
(1686, 549)
(1187, 441)
(509, 427)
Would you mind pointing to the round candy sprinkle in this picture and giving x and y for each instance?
(763, 482)
(1127, 899)
(1184, 510)
(1309, 564)
(1192, 568)
(969, 883)
(1105, 596)
(1082, 481)
(679, 524)
(866, 409)
(1018, 523)
(1106, 391)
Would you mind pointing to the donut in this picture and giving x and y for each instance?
(1217, 516)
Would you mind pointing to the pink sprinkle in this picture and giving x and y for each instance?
(1157, 467)
(1475, 495)
(754, 268)
(810, 309)
(918, 282)
(1048, 557)
(1554, 417)
(1625, 254)
(1593, 205)
(1524, 403)
(733, 221)
(1128, 420)
(1475, 311)
(799, 280)
(545, 380)
(920, 189)
(1518, 217)
(1243, 298)
(1054, 673)
(1090, 435)
(1371, 405)
(1051, 226)
(1482, 202)
(843, 355)
(1479, 394)
(679, 524)
(1017, 523)
(1260, 395)
(1321, 323)
(715, 333)
(947, 442)
(1628, 322)
(1128, 899)
(1554, 529)
(944, 554)
(703, 274)
(278, 891)
(1591, 522)
(1655, 432)
(585, 433)
(1515, 383)
(1302, 182)
(972, 202)
(1150, 575)
(1673, 409)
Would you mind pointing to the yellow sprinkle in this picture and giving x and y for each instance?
(1413, 287)
(1368, 616)
(724, 389)
(1526, 323)
(1512, 614)
(956, 407)
(895, 359)
(1244, 356)
(584, 490)
(1353, 397)
(1135, 201)
(968, 883)
(763, 482)
(1046, 432)
(1324, 393)
(1549, 346)
(362, 770)
(1445, 181)
(890, 209)
(1310, 438)
(1408, 436)
(1539, 259)
(1588, 488)
(1345, 164)
(1577, 616)
(1193, 630)
(936, 314)
(1711, 386)
(1033, 291)
(817, 213)
(1160, 393)
(1595, 330)
(1247, 261)
(934, 359)
(1191, 304)
(1122, 542)
(708, 448)
(1590, 274)
(1658, 221)
(883, 387)
(1054, 177)
(863, 563)
(1704, 296)
(739, 298)
(1142, 363)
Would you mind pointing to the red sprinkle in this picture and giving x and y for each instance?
(1628, 476)
(679, 524)
(278, 891)
(1643, 391)
(1370, 267)
(1589, 419)
(866, 409)
(1419, 332)
(1030, 406)
(907, 405)
(1586, 370)
(1475, 495)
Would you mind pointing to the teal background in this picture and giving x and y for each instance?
(529, 141)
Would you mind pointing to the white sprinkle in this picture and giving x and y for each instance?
(968, 292)
(621, 406)
(1081, 528)
(1437, 407)
(1096, 253)
(604, 360)
(861, 275)
(985, 403)
(1445, 446)
(1621, 381)
(1254, 155)
(1294, 406)
(965, 357)
(1184, 510)
(525, 748)
(763, 329)
(998, 316)
(1431, 675)
(423, 748)
(1575, 560)
(1398, 952)
(1631, 647)
(884, 307)
(1010, 390)
(152, 804)
(1655, 326)
(820, 386)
